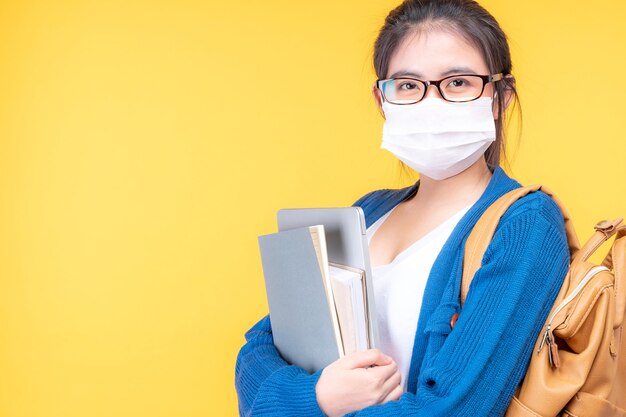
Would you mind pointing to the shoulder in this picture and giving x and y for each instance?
(535, 216)
(536, 204)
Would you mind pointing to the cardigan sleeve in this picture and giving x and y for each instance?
(481, 362)
(266, 384)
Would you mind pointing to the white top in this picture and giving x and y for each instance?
(399, 287)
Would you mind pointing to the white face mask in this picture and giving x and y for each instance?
(438, 138)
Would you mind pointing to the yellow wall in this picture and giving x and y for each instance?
(144, 145)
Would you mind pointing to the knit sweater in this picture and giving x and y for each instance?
(471, 371)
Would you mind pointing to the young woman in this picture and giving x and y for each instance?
(444, 72)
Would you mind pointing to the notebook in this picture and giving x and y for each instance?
(304, 322)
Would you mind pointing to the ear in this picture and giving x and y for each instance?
(508, 97)
(378, 99)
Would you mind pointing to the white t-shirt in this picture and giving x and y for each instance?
(399, 287)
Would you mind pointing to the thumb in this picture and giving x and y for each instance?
(366, 358)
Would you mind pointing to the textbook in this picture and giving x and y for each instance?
(350, 296)
(318, 309)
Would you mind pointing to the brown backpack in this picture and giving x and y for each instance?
(578, 366)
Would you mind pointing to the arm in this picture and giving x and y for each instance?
(266, 384)
(481, 362)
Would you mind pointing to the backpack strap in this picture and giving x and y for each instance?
(485, 227)
(604, 230)
(616, 261)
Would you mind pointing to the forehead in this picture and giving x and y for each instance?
(434, 52)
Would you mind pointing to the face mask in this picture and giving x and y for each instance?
(438, 138)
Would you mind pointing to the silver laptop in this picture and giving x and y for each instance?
(346, 241)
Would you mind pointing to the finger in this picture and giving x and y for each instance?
(383, 372)
(391, 383)
(366, 358)
(395, 394)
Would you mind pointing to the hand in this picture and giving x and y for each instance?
(349, 385)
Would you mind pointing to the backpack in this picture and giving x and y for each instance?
(578, 366)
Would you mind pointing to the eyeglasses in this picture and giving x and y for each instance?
(456, 88)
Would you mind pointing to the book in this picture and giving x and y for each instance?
(350, 297)
(318, 309)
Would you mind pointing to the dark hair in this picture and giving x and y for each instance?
(476, 25)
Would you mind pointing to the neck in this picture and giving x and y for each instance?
(458, 191)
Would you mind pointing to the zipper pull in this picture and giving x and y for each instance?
(555, 361)
(549, 343)
(553, 349)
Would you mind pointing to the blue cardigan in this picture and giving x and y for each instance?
(471, 371)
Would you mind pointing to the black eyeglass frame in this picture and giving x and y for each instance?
(485, 78)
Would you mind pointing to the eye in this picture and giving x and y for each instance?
(462, 87)
(457, 83)
(407, 85)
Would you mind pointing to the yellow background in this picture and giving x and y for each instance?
(144, 145)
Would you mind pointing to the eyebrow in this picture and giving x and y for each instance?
(451, 71)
